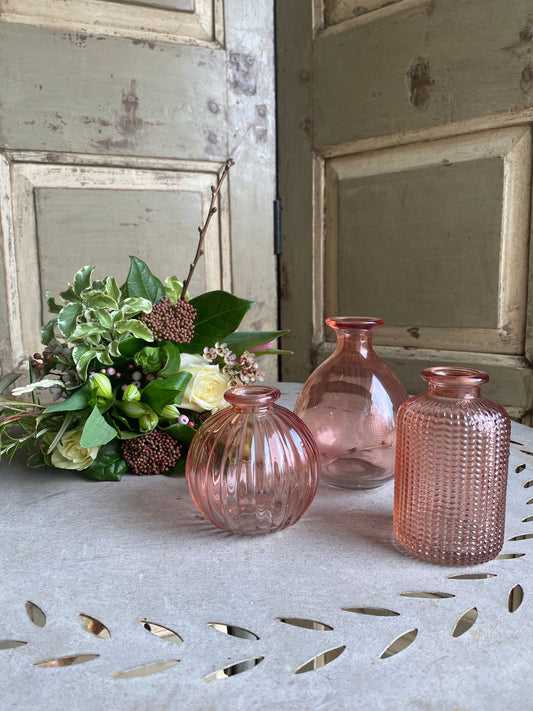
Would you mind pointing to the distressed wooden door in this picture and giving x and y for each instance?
(407, 193)
(116, 118)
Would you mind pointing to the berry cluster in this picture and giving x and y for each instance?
(171, 322)
(152, 453)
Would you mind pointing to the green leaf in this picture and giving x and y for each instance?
(141, 282)
(8, 380)
(159, 393)
(66, 319)
(132, 307)
(99, 300)
(86, 330)
(173, 359)
(96, 431)
(130, 346)
(104, 318)
(36, 460)
(82, 279)
(51, 303)
(69, 295)
(108, 465)
(218, 314)
(82, 364)
(77, 401)
(173, 288)
(181, 433)
(47, 331)
(112, 288)
(137, 329)
(244, 340)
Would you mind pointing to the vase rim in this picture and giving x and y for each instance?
(454, 375)
(254, 395)
(366, 323)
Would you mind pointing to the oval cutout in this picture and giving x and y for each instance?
(522, 537)
(526, 451)
(94, 626)
(233, 630)
(516, 597)
(528, 484)
(520, 468)
(307, 624)
(530, 501)
(528, 519)
(146, 669)
(377, 611)
(320, 660)
(465, 622)
(66, 661)
(161, 632)
(399, 644)
(35, 613)
(472, 576)
(11, 643)
(233, 669)
(427, 595)
(508, 556)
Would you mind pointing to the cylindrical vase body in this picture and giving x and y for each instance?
(451, 470)
(350, 404)
(252, 467)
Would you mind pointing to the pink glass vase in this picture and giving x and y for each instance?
(451, 470)
(253, 467)
(350, 403)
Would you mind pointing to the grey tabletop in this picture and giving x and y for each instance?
(123, 597)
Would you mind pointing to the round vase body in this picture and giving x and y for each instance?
(451, 470)
(252, 468)
(350, 404)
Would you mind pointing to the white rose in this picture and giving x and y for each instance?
(207, 386)
(70, 455)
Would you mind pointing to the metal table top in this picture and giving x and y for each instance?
(334, 598)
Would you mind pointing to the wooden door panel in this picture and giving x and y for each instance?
(408, 192)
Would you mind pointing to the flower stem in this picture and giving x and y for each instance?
(203, 230)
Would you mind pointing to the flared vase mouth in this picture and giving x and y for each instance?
(357, 323)
(449, 376)
(252, 396)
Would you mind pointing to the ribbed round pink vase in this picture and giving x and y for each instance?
(252, 468)
(350, 403)
(451, 470)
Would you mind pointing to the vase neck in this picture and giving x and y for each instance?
(458, 383)
(354, 333)
(252, 398)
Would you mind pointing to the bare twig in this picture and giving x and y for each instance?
(203, 230)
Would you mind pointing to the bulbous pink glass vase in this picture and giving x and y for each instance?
(253, 467)
(451, 470)
(350, 403)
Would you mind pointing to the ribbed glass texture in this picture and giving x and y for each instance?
(350, 403)
(451, 470)
(252, 468)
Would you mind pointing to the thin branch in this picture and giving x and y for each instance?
(203, 230)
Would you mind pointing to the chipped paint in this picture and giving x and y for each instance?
(418, 82)
(243, 69)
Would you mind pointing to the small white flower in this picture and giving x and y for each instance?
(46, 383)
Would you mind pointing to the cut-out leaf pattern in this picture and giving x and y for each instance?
(399, 644)
(529, 501)
(146, 669)
(472, 576)
(528, 519)
(11, 643)
(526, 451)
(516, 597)
(35, 614)
(522, 537)
(520, 468)
(465, 622)
(521, 444)
(308, 624)
(377, 611)
(320, 660)
(66, 661)
(94, 626)
(161, 632)
(528, 484)
(233, 669)
(233, 630)
(427, 595)
(508, 556)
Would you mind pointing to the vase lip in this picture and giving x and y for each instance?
(363, 323)
(452, 375)
(254, 395)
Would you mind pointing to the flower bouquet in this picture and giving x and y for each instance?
(132, 371)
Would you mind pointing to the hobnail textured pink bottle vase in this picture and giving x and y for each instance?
(451, 470)
(350, 403)
(253, 467)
